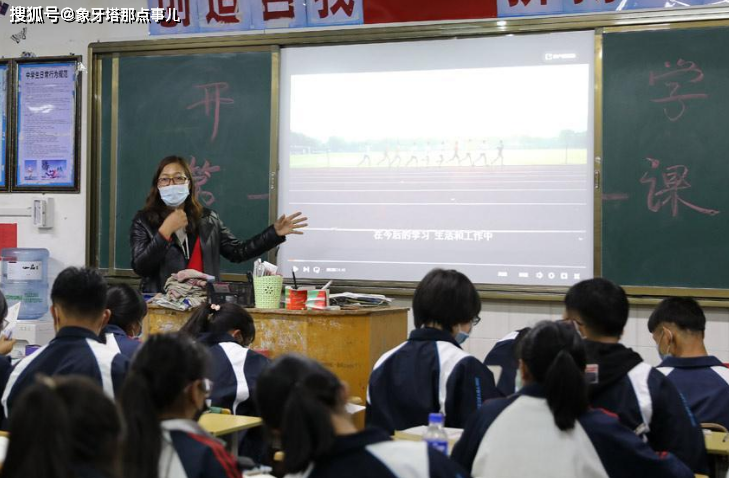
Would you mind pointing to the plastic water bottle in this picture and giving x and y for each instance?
(25, 280)
(435, 436)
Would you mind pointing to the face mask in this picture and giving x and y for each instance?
(518, 382)
(658, 346)
(174, 194)
(462, 336)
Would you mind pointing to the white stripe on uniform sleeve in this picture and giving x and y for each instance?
(404, 459)
(17, 372)
(380, 361)
(104, 357)
(639, 379)
(112, 343)
(722, 371)
(448, 355)
(237, 357)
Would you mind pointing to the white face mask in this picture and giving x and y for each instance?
(518, 383)
(461, 336)
(174, 194)
(668, 351)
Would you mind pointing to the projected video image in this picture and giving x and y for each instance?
(486, 170)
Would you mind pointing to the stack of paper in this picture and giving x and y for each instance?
(350, 299)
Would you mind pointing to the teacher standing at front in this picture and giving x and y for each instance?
(174, 232)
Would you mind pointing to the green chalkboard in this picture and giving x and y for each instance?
(214, 109)
(665, 216)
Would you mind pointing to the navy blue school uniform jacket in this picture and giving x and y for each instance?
(503, 355)
(428, 373)
(371, 453)
(704, 383)
(646, 402)
(188, 451)
(517, 437)
(235, 372)
(119, 341)
(74, 351)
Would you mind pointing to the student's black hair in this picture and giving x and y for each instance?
(296, 396)
(685, 312)
(80, 291)
(602, 306)
(161, 369)
(447, 298)
(60, 424)
(127, 306)
(3, 307)
(555, 356)
(521, 333)
(220, 319)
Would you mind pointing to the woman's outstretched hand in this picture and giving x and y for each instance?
(286, 225)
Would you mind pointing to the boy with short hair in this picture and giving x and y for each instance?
(430, 372)
(642, 397)
(677, 325)
(79, 313)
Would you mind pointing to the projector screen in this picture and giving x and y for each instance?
(472, 154)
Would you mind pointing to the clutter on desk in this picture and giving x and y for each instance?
(351, 300)
(184, 290)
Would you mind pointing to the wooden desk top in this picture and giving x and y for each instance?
(362, 311)
(218, 424)
(717, 443)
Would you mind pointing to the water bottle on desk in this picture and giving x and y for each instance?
(435, 436)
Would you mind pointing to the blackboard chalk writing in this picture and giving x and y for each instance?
(274, 9)
(258, 197)
(674, 180)
(615, 197)
(222, 13)
(201, 175)
(675, 102)
(212, 96)
(346, 6)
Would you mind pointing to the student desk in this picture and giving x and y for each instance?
(717, 443)
(347, 342)
(220, 425)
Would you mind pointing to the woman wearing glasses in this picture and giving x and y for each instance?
(174, 232)
(430, 372)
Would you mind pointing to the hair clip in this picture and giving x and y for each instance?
(214, 307)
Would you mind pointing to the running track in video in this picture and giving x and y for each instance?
(498, 224)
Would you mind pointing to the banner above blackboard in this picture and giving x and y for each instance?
(204, 16)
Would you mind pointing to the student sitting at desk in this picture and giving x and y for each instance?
(548, 430)
(127, 308)
(162, 398)
(503, 356)
(644, 399)
(79, 313)
(304, 404)
(63, 427)
(228, 330)
(677, 326)
(430, 372)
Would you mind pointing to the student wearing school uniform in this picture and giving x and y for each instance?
(6, 346)
(644, 399)
(677, 326)
(163, 397)
(430, 372)
(228, 331)
(547, 429)
(127, 308)
(64, 427)
(503, 357)
(304, 405)
(78, 308)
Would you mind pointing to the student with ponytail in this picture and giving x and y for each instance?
(547, 428)
(162, 398)
(304, 404)
(228, 330)
(127, 308)
(63, 427)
